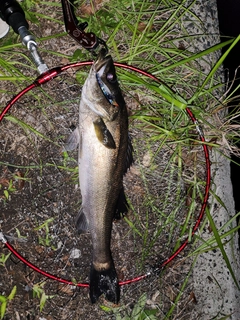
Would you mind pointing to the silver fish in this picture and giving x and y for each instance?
(105, 154)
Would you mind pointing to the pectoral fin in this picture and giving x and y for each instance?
(72, 141)
(103, 134)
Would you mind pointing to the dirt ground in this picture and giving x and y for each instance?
(40, 199)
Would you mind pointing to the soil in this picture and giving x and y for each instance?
(40, 199)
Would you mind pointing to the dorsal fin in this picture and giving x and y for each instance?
(129, 155)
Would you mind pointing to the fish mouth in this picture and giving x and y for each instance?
(103, 59)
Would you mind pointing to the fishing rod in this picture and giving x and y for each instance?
(93, 44)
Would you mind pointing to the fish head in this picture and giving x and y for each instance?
(102, 89)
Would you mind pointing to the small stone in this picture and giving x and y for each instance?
(75, 253)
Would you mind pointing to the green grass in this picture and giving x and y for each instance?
(145, 35)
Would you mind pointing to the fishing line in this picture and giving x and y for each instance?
(53, 73)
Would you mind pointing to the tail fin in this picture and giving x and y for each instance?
(104, 282)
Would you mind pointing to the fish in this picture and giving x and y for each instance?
(104, 156)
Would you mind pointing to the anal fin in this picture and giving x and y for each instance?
(121, 208)
(82, 224)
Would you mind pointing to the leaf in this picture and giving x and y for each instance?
(26, 127)
(6, 193)
(3, 299)
(132, 226)
(77, 56)
(219, 200)
(139, 306)
(3, 308)
(226, 317)
(105, 308)
(43, 301)
(4, 258)
(220, 245)
(12, 293)
(19, 234)
(45, 224)
(151, 313)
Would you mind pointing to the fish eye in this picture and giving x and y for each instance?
(111, 77)
(105, 90)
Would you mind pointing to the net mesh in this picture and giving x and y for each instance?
(40, 199)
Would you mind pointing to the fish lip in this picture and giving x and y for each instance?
(102, 60)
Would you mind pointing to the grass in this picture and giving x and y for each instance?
(4, 300)
(139, 311)
(153, 38)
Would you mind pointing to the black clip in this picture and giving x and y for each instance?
(86, 39)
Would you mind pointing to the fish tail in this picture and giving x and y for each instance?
(104, 282)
